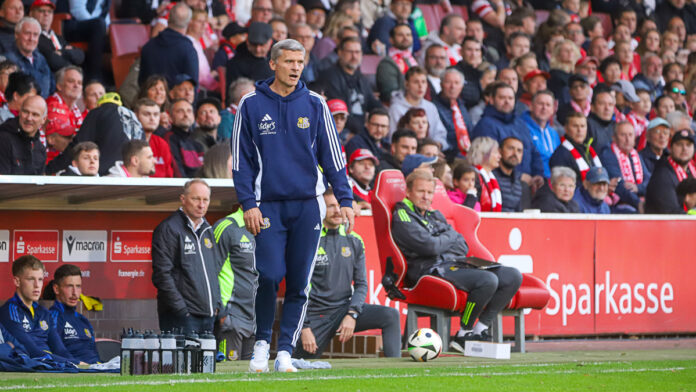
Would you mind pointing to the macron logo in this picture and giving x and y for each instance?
(266, 118)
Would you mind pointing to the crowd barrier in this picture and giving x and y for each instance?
(606, 274)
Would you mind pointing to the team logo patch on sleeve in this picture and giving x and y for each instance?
(303, 122)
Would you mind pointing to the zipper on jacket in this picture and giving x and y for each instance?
(205, 270)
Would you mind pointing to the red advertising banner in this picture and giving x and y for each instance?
(604, 276)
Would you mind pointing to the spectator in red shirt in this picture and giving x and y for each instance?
(361, 168)
(62, 105)
(148, 113)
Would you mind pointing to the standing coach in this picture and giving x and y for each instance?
(284, 142)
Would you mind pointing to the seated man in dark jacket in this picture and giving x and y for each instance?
(432, 247)
(186, 152)
(345, 82)
(575, 150)
(21, 151)
(12, 13)
(670, 170)
(590, 196)
(25, 54)
(251, 59)
(370, 137)
(558, 197)
(516, 193)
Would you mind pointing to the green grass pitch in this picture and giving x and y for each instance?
(624, 371)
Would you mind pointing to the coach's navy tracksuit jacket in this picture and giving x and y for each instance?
(282, 148)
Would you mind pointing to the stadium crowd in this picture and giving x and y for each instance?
(562, 84)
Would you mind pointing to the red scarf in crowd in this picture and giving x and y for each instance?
(462, 133)
(362, 193)
(679, 171)
(493, 188)
(640, 124)
(403, 58)
(579, 160)
(629, 166)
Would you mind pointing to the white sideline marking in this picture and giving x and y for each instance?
(323, 378)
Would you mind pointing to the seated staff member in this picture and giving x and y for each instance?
(432, 247)
(74, 329)
(336, 305)
(26, 320)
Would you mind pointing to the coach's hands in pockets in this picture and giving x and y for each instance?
(346, 329)
(253, 220)
(309, 342)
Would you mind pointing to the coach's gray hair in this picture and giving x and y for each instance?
(60, 74)
(286, 44)
(480, 150)
(25, 20)
(562, 171)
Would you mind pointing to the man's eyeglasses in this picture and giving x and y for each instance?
(678, 91)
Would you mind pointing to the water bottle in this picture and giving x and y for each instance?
(180, 357)
(208, 352)
(192, 348)
(127, 345)
(168, 345)
(138, 353)
(152, 355)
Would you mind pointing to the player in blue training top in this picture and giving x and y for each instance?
(26, 320)
(284, 142)
(74, 329)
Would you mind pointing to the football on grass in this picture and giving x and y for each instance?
(424, 345)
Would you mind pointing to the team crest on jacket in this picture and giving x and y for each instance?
(266, 223)
(345, 251)
(208, 243)
(303, 122)
(43, 324)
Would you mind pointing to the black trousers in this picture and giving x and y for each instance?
(490, 291)
(324, 328)
(93, 32)
(186, 324)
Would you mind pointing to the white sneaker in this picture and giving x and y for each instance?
(283, 363)
(259, 359)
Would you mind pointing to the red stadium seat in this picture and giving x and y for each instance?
(431, 295)
(606, 22)
(461, 10)
(126, 42)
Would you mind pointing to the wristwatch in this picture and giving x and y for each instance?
(353, 314)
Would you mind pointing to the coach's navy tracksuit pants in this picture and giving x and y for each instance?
(286, 248)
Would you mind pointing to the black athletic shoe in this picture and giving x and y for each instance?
(458, 342)
(485, 336)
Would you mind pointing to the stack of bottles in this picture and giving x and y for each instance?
(167, 353)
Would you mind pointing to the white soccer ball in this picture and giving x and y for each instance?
(424, 345)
